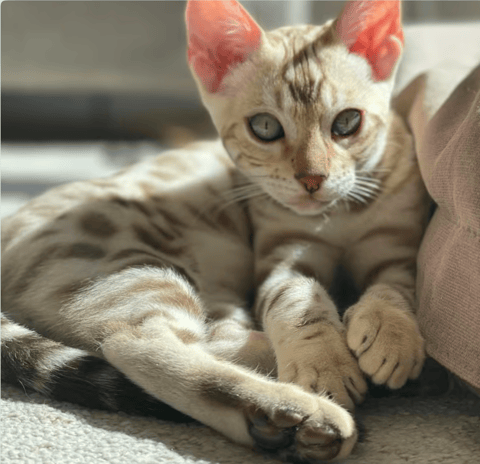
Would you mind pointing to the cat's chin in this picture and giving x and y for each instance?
(309, 207)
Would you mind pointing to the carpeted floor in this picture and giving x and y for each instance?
(435, 430)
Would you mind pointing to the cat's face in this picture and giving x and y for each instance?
(302, 116)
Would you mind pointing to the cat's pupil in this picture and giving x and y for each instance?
(347, 123)
(266, 127)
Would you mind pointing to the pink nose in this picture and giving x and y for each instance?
(311, 183)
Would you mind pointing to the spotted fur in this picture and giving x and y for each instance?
(134, 292)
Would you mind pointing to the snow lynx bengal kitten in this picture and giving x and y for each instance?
(123, 291)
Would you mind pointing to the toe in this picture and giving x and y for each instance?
(361, 333)
(371, 361)
(269, 437)
(357, 388)
(319, 442)
(276, 431)
(388, 366)
(418, 363)
(399, 375)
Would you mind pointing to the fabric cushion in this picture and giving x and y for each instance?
(448, 284)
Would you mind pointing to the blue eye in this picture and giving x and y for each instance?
(347, 123)
(266, 127)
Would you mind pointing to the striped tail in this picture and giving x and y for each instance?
(33, 362)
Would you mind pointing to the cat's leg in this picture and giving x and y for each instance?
(382, 330)
(232, 335)
(150, 325)
(230, 340)
(302, 321)
(33, 362)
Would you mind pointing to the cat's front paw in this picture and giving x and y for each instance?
(322, 363)
(386, 340)
(301, 427)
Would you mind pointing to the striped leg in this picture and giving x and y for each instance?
(308, 337)
(246, 407)
(154, 331)
(62, 373)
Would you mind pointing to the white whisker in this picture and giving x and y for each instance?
(234, 195)
(364, 191)
(240, 190)
(240, 198)
(366, 180)
(367, 188)
(366, 185)
(373, 171)
(238, 193)
(346, 204)
(353, 196)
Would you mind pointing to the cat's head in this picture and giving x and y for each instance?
(303, 111)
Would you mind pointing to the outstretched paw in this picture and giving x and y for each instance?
(387, 342)
(308, 429)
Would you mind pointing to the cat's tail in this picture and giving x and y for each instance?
(38, 364)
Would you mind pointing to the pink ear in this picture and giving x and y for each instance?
(221, 34)
(373, 29)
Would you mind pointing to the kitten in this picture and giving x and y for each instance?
(134, 288)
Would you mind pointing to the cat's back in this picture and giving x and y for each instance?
(171, 176)
(163, 211)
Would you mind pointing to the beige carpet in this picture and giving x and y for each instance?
(440, 430)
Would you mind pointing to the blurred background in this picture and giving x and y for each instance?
(89, 86)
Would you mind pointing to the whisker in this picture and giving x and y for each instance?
(240, 198)
(241, 190)
(244, 186)
(368, 186)
(244, 195)
(357, 198)
(373, 171)
(365, 190)
(362, 190)
(346, 204)
(258, 176)
(232, 195)
(365, 198)
(370, 180)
